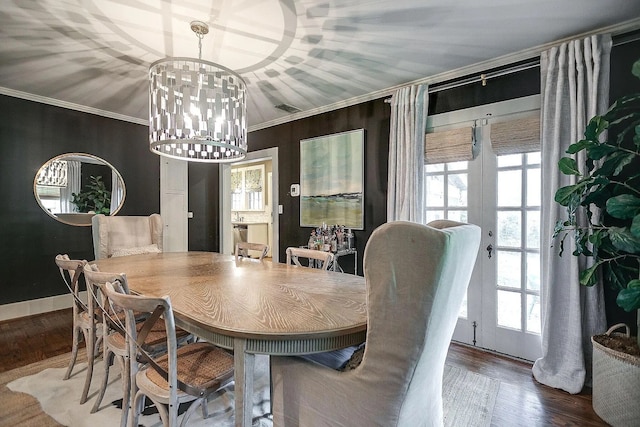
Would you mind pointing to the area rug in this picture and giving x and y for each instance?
(40, 397)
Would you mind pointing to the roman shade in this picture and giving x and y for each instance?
(520, 135)
(449, 146)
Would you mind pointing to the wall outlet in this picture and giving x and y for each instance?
(280, 209)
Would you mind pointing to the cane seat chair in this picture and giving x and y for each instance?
(86, 319)
(317, 259)
(114, 346)
(243, 248)
(189, 373)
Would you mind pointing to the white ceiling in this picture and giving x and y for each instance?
(311, 54)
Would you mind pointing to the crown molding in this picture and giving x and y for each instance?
(71, 106)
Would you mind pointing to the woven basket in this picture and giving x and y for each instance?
(616, 384)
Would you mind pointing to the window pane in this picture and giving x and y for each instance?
(533, 187)
(533, 158)
(509, 268)
(509, 188)
(463, 309)
(509, 229)
(510, 160)
(436, 167)
(533, 229)
(457, 189)
(435, 191)
(433, 215)
(533, 271)
(456, 166)
(509, 308)
(460, 216)
(533, 314)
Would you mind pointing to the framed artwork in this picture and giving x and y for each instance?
(332, 180)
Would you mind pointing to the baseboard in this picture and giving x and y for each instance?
(37, 306)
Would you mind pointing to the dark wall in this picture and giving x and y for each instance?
(371, 116)
(32, 133)
(204, 202)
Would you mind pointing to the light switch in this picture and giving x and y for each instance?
(280, 209)
(295, 190)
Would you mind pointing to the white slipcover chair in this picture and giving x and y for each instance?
(416, 279)
(126, 235)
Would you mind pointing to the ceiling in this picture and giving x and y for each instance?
(315, 55)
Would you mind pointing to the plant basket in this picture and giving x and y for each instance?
(616, 383)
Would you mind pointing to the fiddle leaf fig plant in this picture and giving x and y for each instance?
(94, 198)
(607, 195)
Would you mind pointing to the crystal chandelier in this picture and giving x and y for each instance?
(197, 109)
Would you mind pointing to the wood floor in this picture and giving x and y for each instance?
(521, 400)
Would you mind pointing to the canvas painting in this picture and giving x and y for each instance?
(332, 180)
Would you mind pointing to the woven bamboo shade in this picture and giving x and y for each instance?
(516, 136)
(449, 146)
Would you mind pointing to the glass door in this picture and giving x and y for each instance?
(501, 194)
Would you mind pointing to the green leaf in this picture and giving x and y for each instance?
(598, 151)
(629, 298)
(580, 145)
(635, 69)
(624, 161)
(568, 166)
(589, 277)
(624, 206)
(595, 127)
(623, 240)
(635, 226)
(565, 195)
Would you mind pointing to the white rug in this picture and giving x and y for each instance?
(468, 398)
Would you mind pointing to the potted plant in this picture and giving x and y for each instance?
(94, 198)
(607, 194)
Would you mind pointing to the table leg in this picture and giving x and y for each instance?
(244, 364)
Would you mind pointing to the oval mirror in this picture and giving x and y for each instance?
(73, 187)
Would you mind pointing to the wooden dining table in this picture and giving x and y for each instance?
(251, 307)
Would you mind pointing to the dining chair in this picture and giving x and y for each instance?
(243, 248)
(317, 259)
(189, 373)
(86, 319)
(126, 235)
(114, 345)
(416, 279)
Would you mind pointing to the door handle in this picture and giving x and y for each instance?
(490, 249)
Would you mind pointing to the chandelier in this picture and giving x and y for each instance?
(197, 109)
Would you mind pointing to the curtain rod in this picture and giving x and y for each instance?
(482, 77)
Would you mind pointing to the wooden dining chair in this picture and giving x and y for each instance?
(114, 347)
(243, 248)
(86, 320)
(183, 374)
(317, 259)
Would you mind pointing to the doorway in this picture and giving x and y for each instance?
(501, 194)
(252, 204)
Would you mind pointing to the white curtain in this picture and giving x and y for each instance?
(575, 87)
(73, 186)
(405, 194)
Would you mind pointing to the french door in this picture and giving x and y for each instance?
(501, 194)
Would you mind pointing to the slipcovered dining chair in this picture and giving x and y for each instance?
(86, 320)
(243, 248)
(184, 374)
(126, 235)
(317, 259)
(416, 279)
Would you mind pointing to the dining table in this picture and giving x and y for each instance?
(251, 307)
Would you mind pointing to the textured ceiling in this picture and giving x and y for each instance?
(310, 54)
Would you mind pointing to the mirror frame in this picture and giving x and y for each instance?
(89, 216)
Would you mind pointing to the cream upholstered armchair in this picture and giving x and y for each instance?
(416, 279)
(126, 235)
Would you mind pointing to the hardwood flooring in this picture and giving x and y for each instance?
(521, 400)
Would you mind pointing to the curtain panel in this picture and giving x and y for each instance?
(575, 87)
(405, 193)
